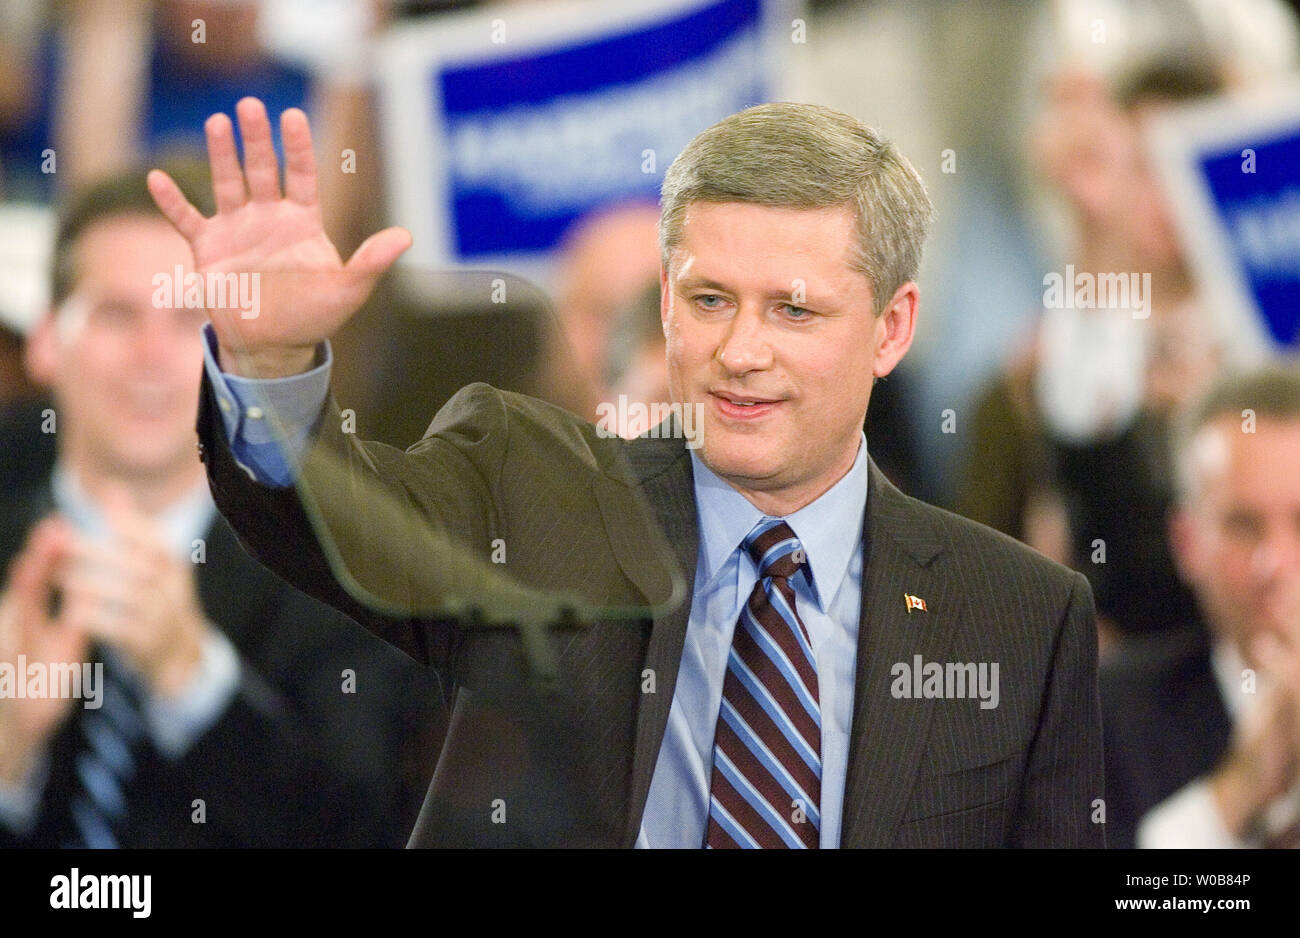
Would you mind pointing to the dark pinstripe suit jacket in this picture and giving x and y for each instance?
(570, 763)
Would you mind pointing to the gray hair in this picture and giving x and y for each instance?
(807, 156)
(1269, 392)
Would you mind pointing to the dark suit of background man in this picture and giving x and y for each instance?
(1203, 730)
(223, 718)
(775, 706)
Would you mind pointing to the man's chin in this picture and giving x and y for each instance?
(740, 466)
(145, 464)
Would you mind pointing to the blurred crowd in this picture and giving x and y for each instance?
(1113, 443)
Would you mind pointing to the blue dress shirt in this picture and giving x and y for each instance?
(830, 530)
(253, 410)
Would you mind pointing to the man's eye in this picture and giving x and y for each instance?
(116, 315)
(709, 300)
(1243, 527)
(796, 312)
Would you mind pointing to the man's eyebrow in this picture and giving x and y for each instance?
(704, 283)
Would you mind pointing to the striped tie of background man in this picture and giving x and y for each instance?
(106, 763)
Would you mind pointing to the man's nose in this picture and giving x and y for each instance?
(155, 337)
(746, 345)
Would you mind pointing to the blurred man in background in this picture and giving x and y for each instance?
(232, 710)
(1202, 736)
(605, 263)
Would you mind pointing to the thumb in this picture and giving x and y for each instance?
(378, 252)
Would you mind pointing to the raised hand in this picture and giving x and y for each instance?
(306, 291)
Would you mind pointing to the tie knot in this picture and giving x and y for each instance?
(775, 549)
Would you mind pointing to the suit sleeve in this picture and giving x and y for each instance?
(446, 480)
(1061, 798)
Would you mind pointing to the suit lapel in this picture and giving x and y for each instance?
(902, 556)
(661, 468)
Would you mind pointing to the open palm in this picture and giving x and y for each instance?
(306, 291)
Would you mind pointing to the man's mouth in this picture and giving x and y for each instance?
(743, 406)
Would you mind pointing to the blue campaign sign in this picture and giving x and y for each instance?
(502, 130)
(1234, 171)
(1261, 212)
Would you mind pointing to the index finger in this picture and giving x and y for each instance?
(31, 579)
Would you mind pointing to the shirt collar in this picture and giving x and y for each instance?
(1228, 666)
(186, 519)
(726, 516)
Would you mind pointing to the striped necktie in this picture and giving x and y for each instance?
(767, 767)
(112, 736)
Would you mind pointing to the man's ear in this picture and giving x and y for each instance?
(41, 353)
(895, 328)
(665, 299)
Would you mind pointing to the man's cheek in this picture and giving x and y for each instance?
(1241, 594)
